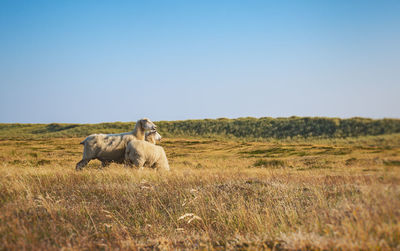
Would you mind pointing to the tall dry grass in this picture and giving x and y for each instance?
(219, 194)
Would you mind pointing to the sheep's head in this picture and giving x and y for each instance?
(153, 136)
(147, 125)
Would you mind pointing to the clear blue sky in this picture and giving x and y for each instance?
(95, 61)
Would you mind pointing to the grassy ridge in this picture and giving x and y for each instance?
(262, 128)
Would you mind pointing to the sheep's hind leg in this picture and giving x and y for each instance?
(105, 163)
(81, 164)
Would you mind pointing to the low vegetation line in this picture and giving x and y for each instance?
(255, 128)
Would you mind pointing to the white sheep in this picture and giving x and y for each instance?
(139, 153)
(153, 137)
(111, 147)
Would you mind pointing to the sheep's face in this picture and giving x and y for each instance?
(157, 136)
(153, 136)
(147, 125)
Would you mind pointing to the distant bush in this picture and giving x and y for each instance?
(282, 128)
(276, 163)
(261, 128)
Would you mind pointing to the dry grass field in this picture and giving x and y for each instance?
(222, 194)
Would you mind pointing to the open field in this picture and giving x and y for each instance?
(316, 194)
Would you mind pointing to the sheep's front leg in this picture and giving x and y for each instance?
(127, 163)
(139, 163)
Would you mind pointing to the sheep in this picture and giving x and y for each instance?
(111, 147)
(153, 137)
(140, 153)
